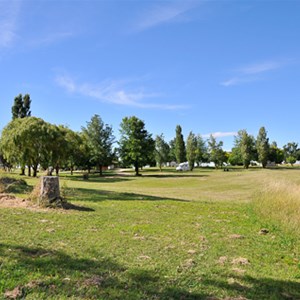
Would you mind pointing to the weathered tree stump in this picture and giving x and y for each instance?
(50, 193)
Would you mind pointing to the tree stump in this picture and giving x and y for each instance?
(50, 193)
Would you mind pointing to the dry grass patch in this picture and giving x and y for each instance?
(280, 201)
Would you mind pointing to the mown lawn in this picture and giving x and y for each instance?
(168, 235)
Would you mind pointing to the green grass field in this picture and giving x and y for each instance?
(168, 235)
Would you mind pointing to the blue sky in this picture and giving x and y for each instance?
(209, 66)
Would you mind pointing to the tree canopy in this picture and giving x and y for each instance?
(136, 144)
(21, 106)
(100, 139)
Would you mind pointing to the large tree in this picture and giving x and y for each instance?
(136, 144)
(262, 146)
(201, 151)
(245, 145)
(276, 154)
(100, 140)
(26, 142)
(216, 153)
(162, 150)
(191, 149)
(21, 106)
(291, 152)
(180, 151)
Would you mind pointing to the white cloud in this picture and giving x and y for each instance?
(251, 72)
(171, 12)
(261, 67)
(9, 11)
(113, 92)
(238, 80)
(220, 134)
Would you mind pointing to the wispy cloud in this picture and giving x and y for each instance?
(51, 38)
(114, 92)
(252, 72)
(239, 80)
(220, 134)
(261, 67)
(9, 11)
(160, 14)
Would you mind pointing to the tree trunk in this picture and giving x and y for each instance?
(100, 170)
(71, 168)
(35, 167)
(29, 171)
(22, 171)
(57, 170)
(136, 166)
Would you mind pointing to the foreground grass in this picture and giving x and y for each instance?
(161, 236)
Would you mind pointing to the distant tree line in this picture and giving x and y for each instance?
(31, 143)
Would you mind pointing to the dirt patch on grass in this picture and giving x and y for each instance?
(8, 200)
(11, 201)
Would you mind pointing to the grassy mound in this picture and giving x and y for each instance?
(12, 185)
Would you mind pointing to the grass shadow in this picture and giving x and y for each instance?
(93, 195)
(64, 276)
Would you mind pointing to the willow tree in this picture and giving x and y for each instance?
(25, 142)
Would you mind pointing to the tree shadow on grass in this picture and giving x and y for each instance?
(102, 195)
(61, 276)
(100, 179)
(176, 175)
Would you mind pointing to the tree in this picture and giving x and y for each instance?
(172, 152)
(191, 149)
(21, 106)
(136, 144)
(100, 140)
(244, 145)
(216, 153)
(162, 150)
(180, 151)
(25, 141)
(262, 146)
(276, 154)
(201, 151)
(291, 152)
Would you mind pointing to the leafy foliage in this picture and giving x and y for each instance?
(216, 153)
(21, 106)
(162, 150)
(180, 151)
(100, 140)
(136, 144)
(262, 146)
(291, 152)
(191, 150)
